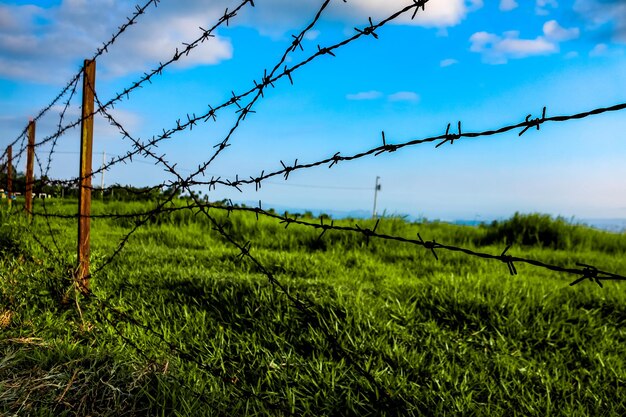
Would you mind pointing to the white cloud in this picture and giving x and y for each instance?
(48, 44)
(59, 37)
(603, 12)
(448, 62)
(275, 17)
(600, 49)
(436, 13)
(407, 96)
(497, 49)
(404, 96)
(544, 3)
(311, 35)
(520, 48)
(541, 6)
(508, 5)
(365, 95)
(555, 33)
(143, 51)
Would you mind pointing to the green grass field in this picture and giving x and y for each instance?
(180, 325)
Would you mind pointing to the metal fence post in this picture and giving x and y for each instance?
(9, 173)
(84, 197)
(30, 164)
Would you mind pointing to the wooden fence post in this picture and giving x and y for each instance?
(84, 197)
(30, 164)
(9, 173)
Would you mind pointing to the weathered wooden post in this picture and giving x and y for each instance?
(9, 173)
(30, 165)
(84, 196)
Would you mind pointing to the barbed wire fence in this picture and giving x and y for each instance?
(243, 104)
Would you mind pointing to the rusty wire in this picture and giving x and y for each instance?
(188, 121)
(336, 158)
(582, 272)
(268, 80)
(139, 10)
(389, 148)
(146, 78)
(304, 307)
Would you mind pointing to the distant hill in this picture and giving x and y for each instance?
(609, 225)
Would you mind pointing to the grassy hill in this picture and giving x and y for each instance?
(180, 324)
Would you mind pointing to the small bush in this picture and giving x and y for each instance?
(554, 233)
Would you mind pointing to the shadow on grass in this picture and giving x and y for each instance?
(267, 346)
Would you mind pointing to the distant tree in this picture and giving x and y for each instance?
(15, 176)
(119, 192)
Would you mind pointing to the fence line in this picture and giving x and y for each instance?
(389, 148)
(243, 111)
(182, 183)
(336, 158)
(140, 147)
(206, 34)
(268, 80)
(332, 338)
(584, 272)
(70, 86)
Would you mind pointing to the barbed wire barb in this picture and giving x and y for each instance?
(242, 249)
(534, 122)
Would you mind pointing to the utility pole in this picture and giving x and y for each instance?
(376, 190)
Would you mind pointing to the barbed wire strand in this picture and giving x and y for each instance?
(193, 119)
(389, 148)
(243, 248)
(101, 50)
(146, 150)
(375, 151)
(295, 301)
(59, 129)
(584, 270)
(106, 304)
(528, 123)
(306, 307)
(147, 77)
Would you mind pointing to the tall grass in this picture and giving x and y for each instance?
(457, 336)
(545, 231)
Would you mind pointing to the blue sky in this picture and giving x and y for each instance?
(485, 63)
